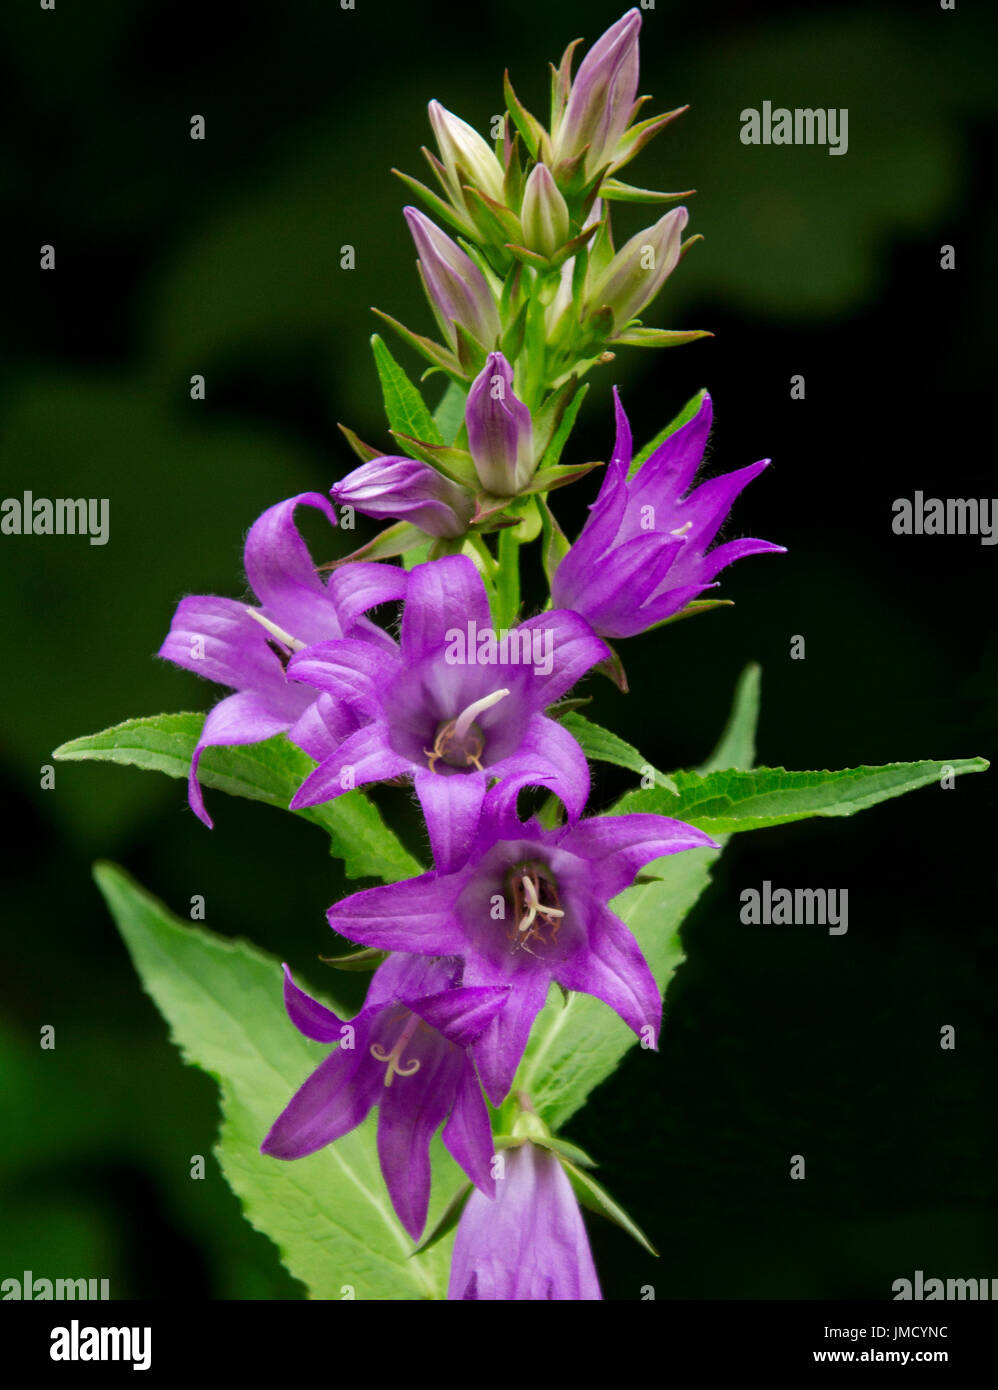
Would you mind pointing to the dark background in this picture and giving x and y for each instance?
(222, 257)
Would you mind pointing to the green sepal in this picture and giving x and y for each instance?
(638, 136)
(494, 222)
(548, 479)
(561, 83)
(566, 1150)
(456, 464)
(528, 126)
(617, 192)
(426, 347)
(692, 610)
(448, 1221)
(636, 336)
(596, 1198)
(613, 669)
(365, 452)
(525, 257)
(397, 539)
(366, 959)
(444, 210)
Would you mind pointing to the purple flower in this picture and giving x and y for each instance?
(500, 432)
(409, 490)
(456, 288)
(642, 555)
(406, 1052)
(248, 648)
(530, 1243)
(467, 158)
(455, 706)
(601, 101)
(529, 906)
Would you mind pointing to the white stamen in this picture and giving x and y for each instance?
(467, 717)
(681, 530)
(292, 643)
(530, 893)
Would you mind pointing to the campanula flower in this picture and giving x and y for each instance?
(528, 906)
(530, 1242)
(602, 97)
(248, 647)
(643, 553)
(407, 1053)
(500, 432)
(409, 490)
(456, 288)
(455, 705)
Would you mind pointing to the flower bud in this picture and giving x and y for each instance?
(500, 432)
(454, 285)
(544, 213)
(639, 269)
(466, 157)
(394, 487)
(602, 97)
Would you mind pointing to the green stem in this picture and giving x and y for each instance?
(508, 579)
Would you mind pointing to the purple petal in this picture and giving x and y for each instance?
(218, 639)
(499, 1049)
(462, 1014)
(620, 846)
(366, 756)
(549, 756)
(310, 1017)
(412, 1109)
(333, 1101)
(468, 1132)
(238, 719)
(415, 916)
(444, 595)
(282, 575)
(611, 967)
(351, 669)
(452, 807)
(363, 585)
(574, 649)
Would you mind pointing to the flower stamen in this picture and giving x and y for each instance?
(394, 1058)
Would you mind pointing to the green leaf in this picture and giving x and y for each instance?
(269, 772)
(404, 406)
(329, 1214)
(449, 414)
(685, 415)
(596, 1198)
(575, 1045)
(605, 747)
(637, 336)
(736, 746)
(725, 802)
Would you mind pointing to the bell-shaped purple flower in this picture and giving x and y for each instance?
(639, 270)
(248, 648)
(601, 101)
(529, 905)
(455, 706)
(643, 553)
(456, 288)
(500, 431)
(408, 490)
(530, 1243)
(407, 1053)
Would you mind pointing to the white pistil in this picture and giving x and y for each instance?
(394, 1058)
(467, 717)
(292, 643)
